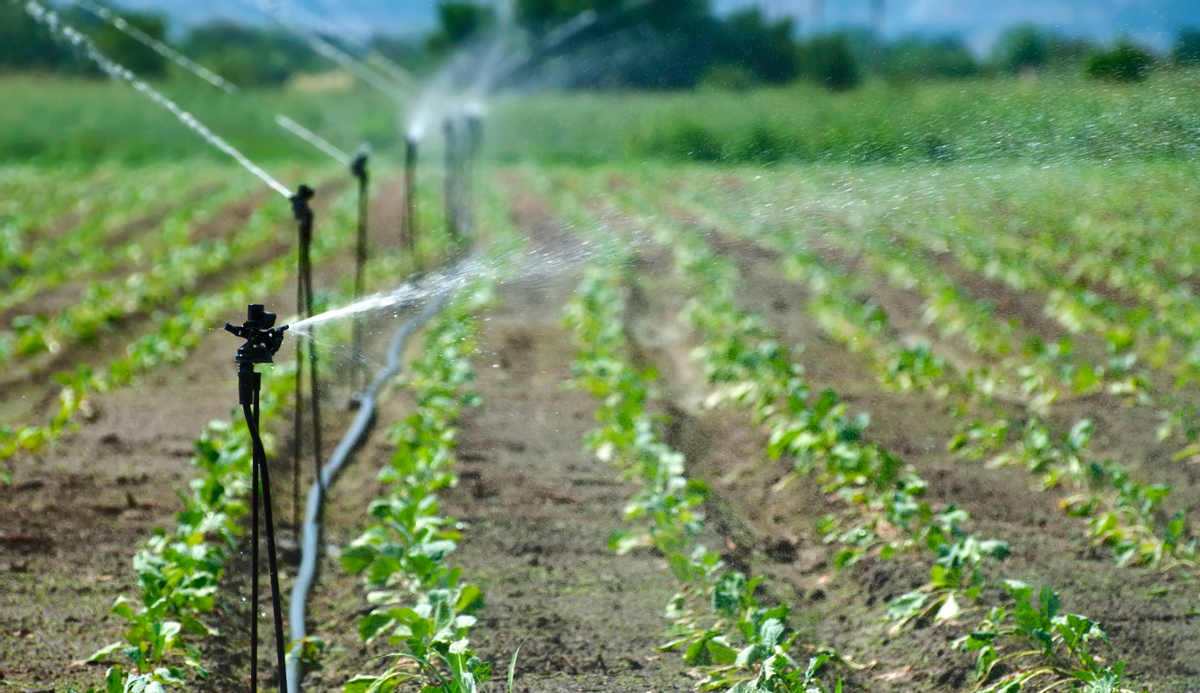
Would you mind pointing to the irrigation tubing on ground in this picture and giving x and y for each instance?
(350, 443)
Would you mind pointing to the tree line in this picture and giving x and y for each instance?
(597, 44)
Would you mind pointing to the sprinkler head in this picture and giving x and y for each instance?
(300, 207)
(263, 339)
(359, 166)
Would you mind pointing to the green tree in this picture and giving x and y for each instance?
(24, 44)
(460, 21)
(1022, 48)
(832, 61)
(763, 48)
(126, 50)
(1186, 50)
(1126, 61)
(247, 56)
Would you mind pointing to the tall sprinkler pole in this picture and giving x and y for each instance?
(303, 214)
(453, 228)
(359, 168)
(263, 339)
(408, 228)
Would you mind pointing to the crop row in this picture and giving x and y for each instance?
(1121, 270)
(749, 367)
(421, 604)
(179, 575)
(168, 341)
(716, 620)
(47, 215)
(1121, 512)
(131, 227)
(178, 267)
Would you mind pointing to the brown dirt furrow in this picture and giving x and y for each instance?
(386, 213)
(95, 497)
(845, 609)
(38, 391)
(539, 512)
(77, 513)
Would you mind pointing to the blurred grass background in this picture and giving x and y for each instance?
(57, 119)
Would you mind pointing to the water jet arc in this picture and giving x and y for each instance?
(356, 435)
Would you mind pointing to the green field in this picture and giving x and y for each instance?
(891, 390)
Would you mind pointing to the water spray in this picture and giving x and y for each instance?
(51, 20)
(155, 45)
(332, 52)
(403, 78)
(263, 339)
(312, 138)
(304, 298)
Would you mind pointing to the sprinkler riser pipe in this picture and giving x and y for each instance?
(408, 229)
(451, 185)
(359, 169)
(304, 218)
(262, 341)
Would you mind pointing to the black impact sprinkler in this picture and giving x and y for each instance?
(263, 339)
(303, 214)
(452, 188)
(359, 168)
(408, 228)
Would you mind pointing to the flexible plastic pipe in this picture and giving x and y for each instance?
(357, 433)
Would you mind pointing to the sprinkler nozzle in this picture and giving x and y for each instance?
(263, 339)
(300, 207)
(359, 166)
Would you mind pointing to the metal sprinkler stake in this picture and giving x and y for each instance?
(263, 339)
(304, 296)
(408, 228)
(359, 168)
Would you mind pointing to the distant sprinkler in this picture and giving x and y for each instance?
(359, 168)
(263, 339)
(408, 227)
(474, 120)
(471, 151)
(302, 211)
(453, 227)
